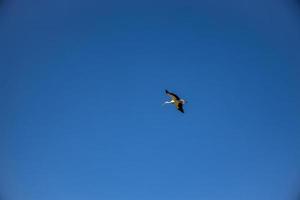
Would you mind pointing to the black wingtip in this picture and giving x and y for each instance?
(181, 110)
(166, 91)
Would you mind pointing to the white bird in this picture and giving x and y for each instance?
(178, 102)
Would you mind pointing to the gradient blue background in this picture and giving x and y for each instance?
(82, 84)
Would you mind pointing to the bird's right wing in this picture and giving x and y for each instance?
(172, 95)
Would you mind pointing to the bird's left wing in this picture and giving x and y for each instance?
(179, 107)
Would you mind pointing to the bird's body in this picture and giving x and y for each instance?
(178, 102)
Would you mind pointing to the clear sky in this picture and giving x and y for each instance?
(82, 83)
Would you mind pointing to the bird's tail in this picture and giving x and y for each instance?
(166, 102)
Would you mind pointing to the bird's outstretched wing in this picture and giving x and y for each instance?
(180, 107)
(172, 95)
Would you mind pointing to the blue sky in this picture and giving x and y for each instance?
(82, 83)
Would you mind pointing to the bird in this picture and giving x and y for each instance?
(178, 102)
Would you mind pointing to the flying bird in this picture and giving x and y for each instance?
(178, 102)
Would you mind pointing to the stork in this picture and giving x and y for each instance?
(178, 102)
